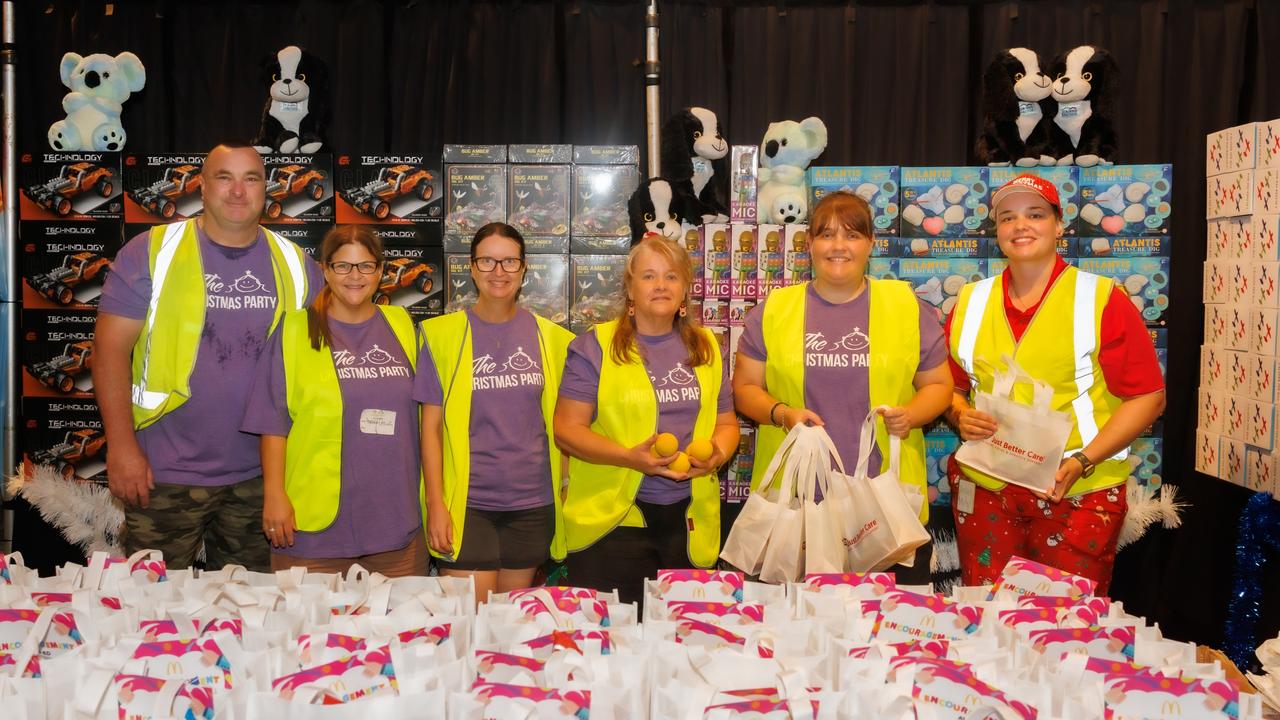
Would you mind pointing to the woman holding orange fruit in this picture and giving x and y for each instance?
(636, 389)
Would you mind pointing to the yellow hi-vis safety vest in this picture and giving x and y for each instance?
(894, 330)
(980, 337)
(602, 497)
(165, 353)
(449, 339)
(313, 450)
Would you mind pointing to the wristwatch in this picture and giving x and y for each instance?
(1085, 463)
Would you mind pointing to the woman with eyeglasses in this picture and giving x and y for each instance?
(333, 403)
(488, 386)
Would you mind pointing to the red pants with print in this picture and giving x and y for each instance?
(1077, 534)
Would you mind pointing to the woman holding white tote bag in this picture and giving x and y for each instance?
(825, 352)
(1079, 335)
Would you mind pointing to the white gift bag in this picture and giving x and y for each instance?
(749, 537)
(1029, 440)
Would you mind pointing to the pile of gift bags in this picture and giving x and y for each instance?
(124, 637)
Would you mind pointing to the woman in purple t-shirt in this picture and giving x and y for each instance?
(811, 354)
(339, 429)
(631, 510)
(487, 385)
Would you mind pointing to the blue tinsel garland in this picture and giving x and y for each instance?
(1259, 532)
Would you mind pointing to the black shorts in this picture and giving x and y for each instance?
(505, 539)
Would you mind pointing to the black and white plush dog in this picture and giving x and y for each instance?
(1084, 84)
(694, 158)
(297, 103)
(659, 207)
(1016, 110)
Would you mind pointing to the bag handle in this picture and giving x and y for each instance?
(1004, 380)
(775, 463)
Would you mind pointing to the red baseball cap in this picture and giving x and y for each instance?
(1029, 184)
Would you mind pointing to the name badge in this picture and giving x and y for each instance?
(964, 496)
(378, 422)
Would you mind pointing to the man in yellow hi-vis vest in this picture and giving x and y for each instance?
(182, 319)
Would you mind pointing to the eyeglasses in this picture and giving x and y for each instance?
(344, 268)
(488, 264)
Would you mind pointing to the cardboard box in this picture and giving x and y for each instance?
(1242, 144)
(770, 259)
(600, 195)
(883, 268)
(592, 245)
(461, 292)
(938, 281)
(1208, 461)
(477, 196)
(716, 258)
(798, 266)
(744, 168)
(1160, 340)
(596, 291)
(1266, 237)
(1139, 246)
(1146, 461)
(878, 185)
(413, 278)
(692, 243)
(606, 155)
(1125, 200)
(1213, 367)
(1217, 153)
(77, 186)
(1239, 282)
(309, 236)
(299, 189)
(540, 154)
(474, 153)
(1262, 378)
(539, 245)
(1238, 328)
(1065, 178)
(1268, 152)
(1260, 471)
(546, 287)
(1218, 239)
(162, 188)
(1264, 325)
(742, 285)
(1260, 426)
(738, 310)
(1266, 284)
(947, 247)
(539, 199)
(1233, 460)
(1210, 411)
(1235, 419)
(1266, 191)
(1145, 279)
(1239, 366)
(737, 485)
(1229, 194)
(939, 444)
(57, 353)
(399, 188)
(65, 433)
(945, 201)
(1214, 287)
(65, 263)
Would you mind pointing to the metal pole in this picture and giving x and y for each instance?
(652, 111)
(9, 242)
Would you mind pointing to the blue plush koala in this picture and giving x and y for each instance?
(786, 151)
(99, 86)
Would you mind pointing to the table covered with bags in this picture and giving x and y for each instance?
(125, 637)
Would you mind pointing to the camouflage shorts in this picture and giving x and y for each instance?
(180, 519)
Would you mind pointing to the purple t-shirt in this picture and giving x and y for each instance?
(679, 395)
(837, 355)
(200, 442)
(510, 462)
(378, 508)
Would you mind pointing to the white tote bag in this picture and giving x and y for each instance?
(823, 524)
(744, 549)
(881, 524)
(1027, 446)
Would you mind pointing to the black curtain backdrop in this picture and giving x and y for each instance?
(896, 83)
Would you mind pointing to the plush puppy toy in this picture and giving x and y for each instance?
(297, 103)
(785, 152)
(693, 157)
(1016, 111)
(1084, 84)
(658, 207)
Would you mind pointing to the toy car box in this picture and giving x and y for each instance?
(162, 188)
(57, 352)
(1125, 200)
(299, 189)
(878, 185)
(65, 434)
(538, 196)
(596, 290)
(600, 194)
(412, 277)
(70, 186)
(397, 188)
(945, 202)
(65, 263)
(477, 196)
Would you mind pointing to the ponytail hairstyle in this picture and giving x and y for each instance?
(690, 328)
(318, 313)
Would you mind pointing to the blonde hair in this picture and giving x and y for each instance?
(690, 329)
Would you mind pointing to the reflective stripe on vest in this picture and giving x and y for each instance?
(893, 328)
(602, 497)
(165, 352)
(448, 338)
(1078, 388)
(313, 450)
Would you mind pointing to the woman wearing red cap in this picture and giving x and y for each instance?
(1079, 333)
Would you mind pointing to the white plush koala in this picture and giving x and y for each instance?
(786, 151)
(99, 86)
